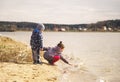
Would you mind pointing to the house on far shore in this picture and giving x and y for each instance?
(62, 29)
(85, 29)
(110, 29)
(80, 29)
(105, 28)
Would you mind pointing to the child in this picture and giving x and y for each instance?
(52, 55)
(36, 43)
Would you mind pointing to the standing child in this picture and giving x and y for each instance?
(52, 55)
(36, 43)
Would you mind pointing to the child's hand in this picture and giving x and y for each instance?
(70, 64)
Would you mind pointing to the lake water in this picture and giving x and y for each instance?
(95, 54)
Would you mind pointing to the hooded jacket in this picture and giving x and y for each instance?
(36, 41)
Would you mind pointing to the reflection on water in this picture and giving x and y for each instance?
(98, 54)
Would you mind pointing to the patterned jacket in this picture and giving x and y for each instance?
(36, 41)
(51, 52)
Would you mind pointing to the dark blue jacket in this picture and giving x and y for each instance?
(36, 41)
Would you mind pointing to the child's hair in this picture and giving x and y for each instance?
(61, 45)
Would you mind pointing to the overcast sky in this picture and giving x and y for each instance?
(59, 11)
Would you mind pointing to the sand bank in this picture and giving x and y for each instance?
(11, 72)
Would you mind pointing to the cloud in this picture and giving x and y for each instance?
(59, 11)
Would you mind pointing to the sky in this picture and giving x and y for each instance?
(59, 11)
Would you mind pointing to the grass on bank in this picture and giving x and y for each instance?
(13, 51)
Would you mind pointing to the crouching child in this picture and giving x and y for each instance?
(52, 55)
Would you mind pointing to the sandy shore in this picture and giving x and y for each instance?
(11, 72)
(16, 66)
(28, 72)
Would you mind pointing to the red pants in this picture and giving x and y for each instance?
(55, 58)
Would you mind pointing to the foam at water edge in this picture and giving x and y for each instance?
(101, 80)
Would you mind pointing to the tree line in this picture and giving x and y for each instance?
(108, 25)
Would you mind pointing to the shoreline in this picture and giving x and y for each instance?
(90, 69)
